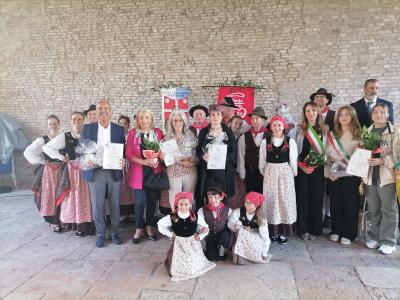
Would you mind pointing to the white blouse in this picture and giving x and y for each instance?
(34, 153)
(165, 225)
(234, 220)
(293, 154)
(53, 147)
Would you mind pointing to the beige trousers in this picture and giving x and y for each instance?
(186, 183)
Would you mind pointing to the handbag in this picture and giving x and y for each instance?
(155, 181)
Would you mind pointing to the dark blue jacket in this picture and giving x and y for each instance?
(362, 111)
(117, 136)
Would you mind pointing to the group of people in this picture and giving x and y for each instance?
(275, 183)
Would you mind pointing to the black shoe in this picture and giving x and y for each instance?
(327, 222)
(59, 229)
(274, 239)
(152, 237)
(221, 257)
(81, 233)
(136, 241)
(282, 239)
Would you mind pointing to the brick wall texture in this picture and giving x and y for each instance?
(57, 56)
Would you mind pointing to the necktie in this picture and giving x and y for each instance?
(370, 104)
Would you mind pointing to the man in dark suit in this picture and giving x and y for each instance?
(365, 105)
(104, 132)
(322, 98)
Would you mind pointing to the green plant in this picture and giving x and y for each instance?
(370, 140)
(151, 145)
(314, 159)
(238, 81)
(169, 85)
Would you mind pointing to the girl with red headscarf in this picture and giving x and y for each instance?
(252, 238)
(278, 165)
(185, 258)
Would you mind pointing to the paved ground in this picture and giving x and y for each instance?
(35, 263)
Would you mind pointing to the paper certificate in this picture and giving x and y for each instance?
(169, 148)
(358, 164)
(217, 156)
(112, 155)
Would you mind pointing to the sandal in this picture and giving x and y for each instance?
(59, 229)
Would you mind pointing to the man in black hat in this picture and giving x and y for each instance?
(229, 112)
(365, 105)
(322, 98)
(90, 114)
(248, 152)
(199, 113)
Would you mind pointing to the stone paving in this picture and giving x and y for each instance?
(36, 263)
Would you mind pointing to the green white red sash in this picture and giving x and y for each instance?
(314, 139)
(338, 148)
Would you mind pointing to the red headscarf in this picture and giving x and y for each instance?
(184, 195)
(280, 119)
(256, 198)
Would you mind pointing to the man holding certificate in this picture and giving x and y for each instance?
(110, 139)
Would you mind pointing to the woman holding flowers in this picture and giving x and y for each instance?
(182, 174)
(380, 183)
(310, 181)
(344, 193)
(141, 150)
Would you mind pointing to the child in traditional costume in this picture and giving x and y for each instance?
(216, 215)
(185, 258)
(252, 238)
(278, 164)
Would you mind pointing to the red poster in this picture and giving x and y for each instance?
(243, 98)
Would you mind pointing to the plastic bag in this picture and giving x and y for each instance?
(89, 155)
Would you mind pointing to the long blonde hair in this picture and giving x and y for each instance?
(319, 124)
(355, 127)
(144, 111)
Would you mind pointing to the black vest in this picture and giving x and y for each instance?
(46, 157)
(245, 222)
(70, 144)
(215, 225)
(183, 227)
(252, 152)
(277, 155)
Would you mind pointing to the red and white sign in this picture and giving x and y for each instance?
(174, 99)
(243, 97)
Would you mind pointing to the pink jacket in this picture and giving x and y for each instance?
(132, 149)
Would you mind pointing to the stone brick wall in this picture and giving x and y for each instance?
(57, 56)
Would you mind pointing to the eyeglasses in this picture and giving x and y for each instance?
(177, 121)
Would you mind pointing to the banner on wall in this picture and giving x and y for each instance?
(174, 98)
(243, 97)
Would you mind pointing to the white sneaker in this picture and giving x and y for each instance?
(334, 237)
(345, 241)
(372, 244)
(385, 249)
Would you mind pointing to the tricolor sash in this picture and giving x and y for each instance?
(314, 139)
(338, 148)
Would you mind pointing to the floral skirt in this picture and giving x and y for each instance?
(185, 259)
(280, 195)
(76, 207)
(248, 247)
(50, 182)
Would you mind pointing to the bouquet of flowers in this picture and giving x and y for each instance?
(152, 146)
(312, 161)
(340, 163)
(89, 155)
(186, 152)
(371, 141)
